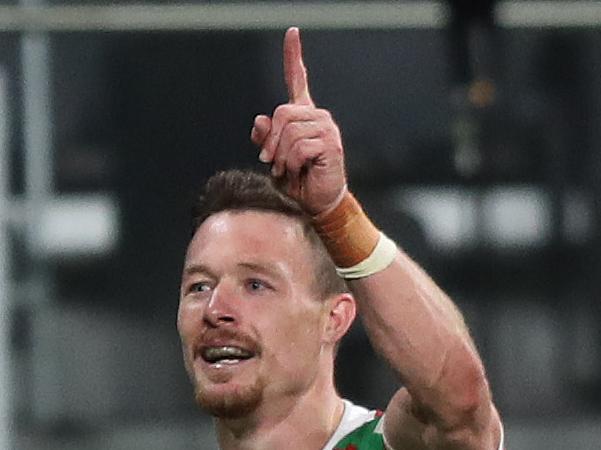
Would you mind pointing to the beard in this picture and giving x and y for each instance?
(234, 404)
(220, 395)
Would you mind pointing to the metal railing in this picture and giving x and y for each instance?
(277, 15)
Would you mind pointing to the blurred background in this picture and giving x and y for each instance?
(473, 135)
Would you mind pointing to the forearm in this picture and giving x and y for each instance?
(419, 331)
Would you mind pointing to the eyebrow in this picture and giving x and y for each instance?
(196, 268)
(267, 268)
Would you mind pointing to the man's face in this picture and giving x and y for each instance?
(249, 320)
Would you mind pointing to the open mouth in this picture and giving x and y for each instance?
(225, 354)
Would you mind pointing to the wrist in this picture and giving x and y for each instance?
(356, 246)
(346, 231)
(323, 214)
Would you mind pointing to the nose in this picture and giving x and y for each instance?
(221, 308)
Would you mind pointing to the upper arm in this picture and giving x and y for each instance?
(407, 427)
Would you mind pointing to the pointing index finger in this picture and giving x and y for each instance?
(294, 69)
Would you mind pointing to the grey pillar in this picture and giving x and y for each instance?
(6, 387)
(37, 139)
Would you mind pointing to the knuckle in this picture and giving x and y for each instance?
(323, 128)
(279, 159)
(293, 167)
(282, 112)
(297, 154)
(304, 150)
(297, 147)
(295, 130)
(324, 114)
(333, 145)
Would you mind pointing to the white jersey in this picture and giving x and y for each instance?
(353, 418)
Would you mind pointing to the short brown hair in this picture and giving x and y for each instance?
(244, 190)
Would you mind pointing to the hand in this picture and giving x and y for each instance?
(301, 141)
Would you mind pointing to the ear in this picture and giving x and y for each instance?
(342, 310)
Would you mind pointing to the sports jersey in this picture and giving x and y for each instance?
(359, 429)
(362, 429)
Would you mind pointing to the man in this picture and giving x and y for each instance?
(262, 307)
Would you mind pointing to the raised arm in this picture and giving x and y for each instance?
(446, 402)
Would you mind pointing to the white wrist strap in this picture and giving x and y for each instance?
(383, 254)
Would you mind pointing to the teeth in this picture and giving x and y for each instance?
(226, 354)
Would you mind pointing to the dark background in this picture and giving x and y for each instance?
(145, 117)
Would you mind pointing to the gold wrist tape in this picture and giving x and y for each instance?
(347, 233)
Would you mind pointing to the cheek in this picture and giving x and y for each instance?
(188, 318)
(300, 338)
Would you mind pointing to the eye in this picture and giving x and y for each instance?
(201, 286)
(256, 285)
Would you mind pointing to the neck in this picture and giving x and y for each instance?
(306, 421)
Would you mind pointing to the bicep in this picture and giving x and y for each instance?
(405, 427)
